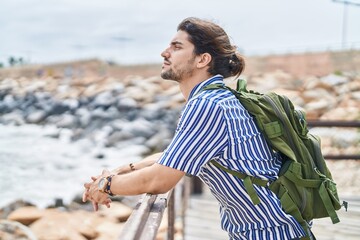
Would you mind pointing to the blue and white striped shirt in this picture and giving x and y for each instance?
(214, 125)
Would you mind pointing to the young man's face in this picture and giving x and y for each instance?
(179, 58)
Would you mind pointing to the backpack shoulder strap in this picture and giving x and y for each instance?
(248, 181)
(241, 85)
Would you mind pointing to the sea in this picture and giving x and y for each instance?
(38, 168)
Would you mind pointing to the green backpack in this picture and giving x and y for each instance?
(304, 186)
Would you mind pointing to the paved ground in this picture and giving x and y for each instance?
(203, 222)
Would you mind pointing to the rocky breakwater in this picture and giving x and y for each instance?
(106, 112)
(109, 112)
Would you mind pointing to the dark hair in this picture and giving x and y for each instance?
(208, 37)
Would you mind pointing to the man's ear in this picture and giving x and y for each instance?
(204, 60)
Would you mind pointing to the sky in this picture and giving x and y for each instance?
(136, 31)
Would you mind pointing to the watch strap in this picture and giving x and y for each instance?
(108, 185)
(106, 188)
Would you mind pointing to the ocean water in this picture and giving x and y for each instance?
(39, 169)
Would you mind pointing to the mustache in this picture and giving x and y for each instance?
(166, 60)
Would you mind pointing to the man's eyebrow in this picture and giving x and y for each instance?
(176, 43)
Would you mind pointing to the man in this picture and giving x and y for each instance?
(213, 125)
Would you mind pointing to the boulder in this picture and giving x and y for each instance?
(109, 230)
(334, 80)
(15, 230)
(86, 223)
(117, 210)
(14, 117)
(26, 215)
(66, 121)
(104, 99)
(36, 117)
(56, 225)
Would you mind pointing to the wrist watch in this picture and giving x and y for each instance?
(104, 185)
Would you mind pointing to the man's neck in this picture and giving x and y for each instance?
(186, 85)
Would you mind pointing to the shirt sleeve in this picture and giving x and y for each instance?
(199, 137)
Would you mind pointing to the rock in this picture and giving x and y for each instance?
(334, 80)
(109, 230)
(26, 215)
(116, 137)
(84, 116)
(86, 223)
(140, 127)
(356, 96)
(66, 121)
(314, 82)
(126, 103)
(36, 117)
(294, 96)
(117, 210)
(106, 114)
(315, 94)
(343, 113)
(14, 117)
(71, 103)
(14, 230)
(160, 140)
(348, 87)
(345, 139)
(320, 105)
(56, 225)
(10, 102)
(58, 108)
(104, 99)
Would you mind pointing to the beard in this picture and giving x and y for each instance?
(181, 73)
(170, 75)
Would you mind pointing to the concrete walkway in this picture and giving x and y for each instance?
(202, 221)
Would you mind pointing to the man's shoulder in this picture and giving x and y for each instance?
(215, 96)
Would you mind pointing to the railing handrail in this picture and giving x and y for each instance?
(333, 123)
(145, 219)
(337, 123)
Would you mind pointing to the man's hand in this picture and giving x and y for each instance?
(93, 194)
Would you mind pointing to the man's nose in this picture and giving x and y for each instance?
(165, 53)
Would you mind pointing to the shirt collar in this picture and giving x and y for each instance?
(217, 79)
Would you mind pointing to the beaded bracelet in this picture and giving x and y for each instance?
(132, 167)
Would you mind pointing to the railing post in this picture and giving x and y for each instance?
(171, 216)
(185, 195)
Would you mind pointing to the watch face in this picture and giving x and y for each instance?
(101, 184)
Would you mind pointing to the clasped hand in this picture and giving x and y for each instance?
(93, 194)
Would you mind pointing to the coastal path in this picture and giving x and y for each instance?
(202, 221)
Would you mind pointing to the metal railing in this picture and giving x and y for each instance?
(337, 123)
(145, 220)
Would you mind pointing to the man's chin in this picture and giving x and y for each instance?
(166, 76)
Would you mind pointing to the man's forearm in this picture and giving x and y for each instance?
(146, 162)
(155, 179)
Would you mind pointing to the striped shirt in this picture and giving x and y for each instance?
(214, 125)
